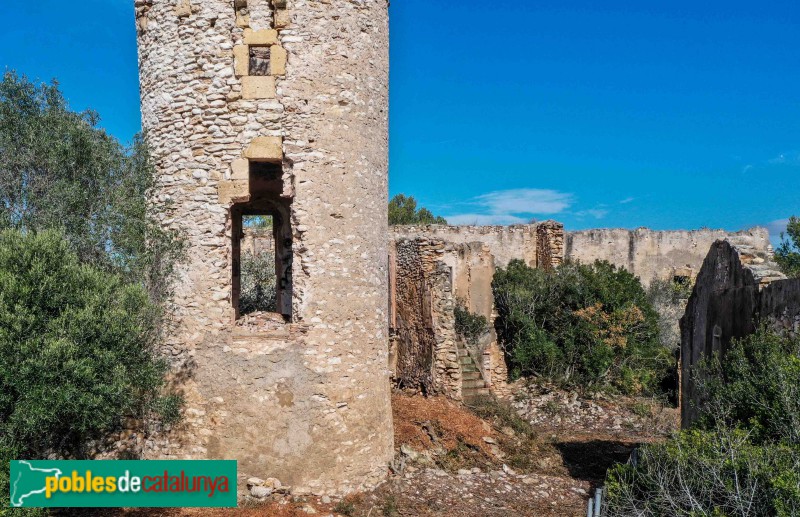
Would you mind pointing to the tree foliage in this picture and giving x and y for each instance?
(788, 253)
(59, 170)
(84, 274)
(403, 210)
(589, 326)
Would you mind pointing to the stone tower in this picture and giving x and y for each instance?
(280, 108)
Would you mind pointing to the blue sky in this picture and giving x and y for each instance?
(598, 114)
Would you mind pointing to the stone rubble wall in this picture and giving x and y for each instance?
(307, 402)
(738, 288)
(423, 328)
(651, 254)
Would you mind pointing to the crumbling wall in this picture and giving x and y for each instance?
(738, 288)
(423, 319)
(305, 401)
(651, 254)
(505, 242)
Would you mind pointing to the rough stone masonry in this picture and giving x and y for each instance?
(279, 108)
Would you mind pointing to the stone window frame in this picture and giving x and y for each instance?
(259, 86)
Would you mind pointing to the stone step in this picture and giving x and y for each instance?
(470, 376)
(462, 352)
(465, 359)
(474, 383)
(469, 369)
(472, 394)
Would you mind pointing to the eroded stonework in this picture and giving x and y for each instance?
(302, 396)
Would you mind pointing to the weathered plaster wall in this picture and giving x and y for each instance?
(738, 287)
(651, 254)
(306, 402)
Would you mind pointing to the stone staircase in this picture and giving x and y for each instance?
(472, 384)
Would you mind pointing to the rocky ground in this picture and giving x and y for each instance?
(542, 454)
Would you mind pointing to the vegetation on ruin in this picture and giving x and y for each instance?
(743, 456)
(403, 210)
(788, 253)
(585, 326)
(469, 327)
(85, 273)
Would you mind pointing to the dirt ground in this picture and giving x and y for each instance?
(485, 460)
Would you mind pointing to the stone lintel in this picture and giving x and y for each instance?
(260, 37)
(265, 149)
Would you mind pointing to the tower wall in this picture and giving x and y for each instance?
(304, 400)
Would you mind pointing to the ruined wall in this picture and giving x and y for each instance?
(651, 254)
(423, 321)
(305, 401)
(505, 242)
(737, 289)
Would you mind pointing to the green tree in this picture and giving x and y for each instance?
(84, 273)
(59, 170)
(403, 210)
(788, 253)
(589, 326)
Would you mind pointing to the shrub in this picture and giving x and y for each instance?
(756, 387)
(469, 327)
(589, 326)
(715, 473)
(743, 457)
(76, 348)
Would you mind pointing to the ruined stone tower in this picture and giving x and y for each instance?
(276, 108)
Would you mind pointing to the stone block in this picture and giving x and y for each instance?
(183, 9)
(237, 191)
(265, 149)
(258, 87)
(277, 60)
(241, 60)
(282, 18)
(242, 20)
(240, 169)
(260, 37)
(279, 4)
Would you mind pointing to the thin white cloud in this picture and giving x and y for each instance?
(627, 200)
(525, 201)
(597, 213)
(777, 227)
(515, 206)
(484, 220)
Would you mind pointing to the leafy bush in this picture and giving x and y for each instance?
(743, 458)
(756, 387)
(589, 326)
(403, 210)
(76, 350)
(714, 473)
(469, 327)
(258, 283)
